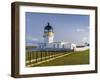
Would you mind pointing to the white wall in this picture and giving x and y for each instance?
(5, 43)
(81, 49)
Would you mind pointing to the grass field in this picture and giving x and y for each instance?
(75, 58)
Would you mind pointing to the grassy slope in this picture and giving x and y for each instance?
(75, 58)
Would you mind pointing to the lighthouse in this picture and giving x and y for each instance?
(50, 44)
(48, 34)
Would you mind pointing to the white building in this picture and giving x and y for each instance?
(49, 42)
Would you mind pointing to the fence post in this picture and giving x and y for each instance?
(36, 55)
(30, 58)
(41, 55)
(49, 54)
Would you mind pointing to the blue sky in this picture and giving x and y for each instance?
(67, 27)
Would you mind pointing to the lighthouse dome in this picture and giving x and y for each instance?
(48, 27)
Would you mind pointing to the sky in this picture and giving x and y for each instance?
(67, 27)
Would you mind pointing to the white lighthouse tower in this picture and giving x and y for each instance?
(48, 34)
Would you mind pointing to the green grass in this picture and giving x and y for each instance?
(37, 56)
(81, 57)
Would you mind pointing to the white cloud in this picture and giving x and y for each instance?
(34, 39)
(86, 28)
(80, 30)
(84, 39)
(30, 38)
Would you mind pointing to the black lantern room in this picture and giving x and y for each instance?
(48, 28)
